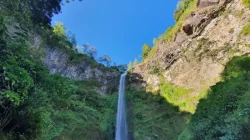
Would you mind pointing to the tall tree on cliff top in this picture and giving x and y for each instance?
(105, 59)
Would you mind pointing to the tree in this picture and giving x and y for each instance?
(145, 51)
(85, 48)
(105, 59)
(136, 62)
(130, 65)
(92, 52)
(73, 41)
(43, 10)
(122, 68)
(59, 29)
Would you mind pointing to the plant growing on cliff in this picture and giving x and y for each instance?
(186, 7)
(136, 62)
(231, 30)
(183, 6)
(177, 96)
(145, 51)
(224, 114)
(246, 29)
(130, 65)
(246, 3)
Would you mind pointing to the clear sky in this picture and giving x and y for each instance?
(118, 28)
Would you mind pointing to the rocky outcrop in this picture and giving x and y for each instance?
(209, 38)
(204, 3)
(57, 62)
(198, 20)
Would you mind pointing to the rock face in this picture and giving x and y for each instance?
(204, 3)
(209, 38)
(57, 62)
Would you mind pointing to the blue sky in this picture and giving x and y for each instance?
(118, 28)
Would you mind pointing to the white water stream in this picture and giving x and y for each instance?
(121, 120)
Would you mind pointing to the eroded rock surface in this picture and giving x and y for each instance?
(209, 38)
(58, 63)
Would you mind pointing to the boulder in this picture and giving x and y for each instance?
(188, 29)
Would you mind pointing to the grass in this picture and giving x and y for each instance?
(246, 29)
(179, 97)
(246, 3)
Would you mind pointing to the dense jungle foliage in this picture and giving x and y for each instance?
(35, 104)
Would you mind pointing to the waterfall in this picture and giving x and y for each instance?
(121, 122)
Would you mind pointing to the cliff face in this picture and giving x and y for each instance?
(195, 58)
(58, 62)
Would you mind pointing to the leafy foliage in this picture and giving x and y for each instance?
(224, 114)
(105, 59)
(151, 117)
(176, 96)
(35, 104)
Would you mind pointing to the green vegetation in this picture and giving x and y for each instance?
(178, 96)
(224, 114)
(133, 64)
(231, 30)
(246, 3)
(145, 50)
(130, 65)
(155, 70)
(185, 8)
(35, 104)
(152, 52)
(151, 117)
(136, 62)
(246, 29)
